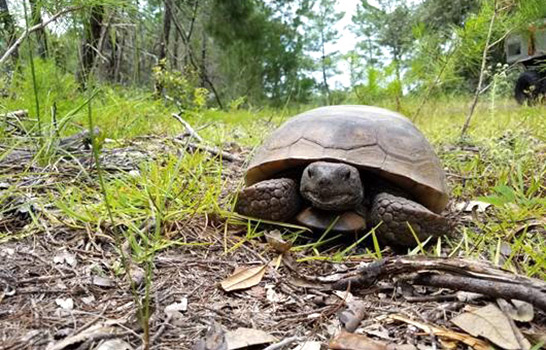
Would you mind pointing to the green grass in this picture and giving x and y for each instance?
(502, 160)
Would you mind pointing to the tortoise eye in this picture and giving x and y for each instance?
(310, 172)
(346, 174)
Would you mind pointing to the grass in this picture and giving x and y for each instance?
(502, 161)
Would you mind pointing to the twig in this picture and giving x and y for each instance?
(213, 151)
(188, 127)
(495, 289)
(160, 331)
(282, 343)
(21, 113)
(482, 70)
(33, 29)
(456, 274)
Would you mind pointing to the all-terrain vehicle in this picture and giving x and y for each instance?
(529, 49)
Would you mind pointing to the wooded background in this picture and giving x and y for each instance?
(235, 52)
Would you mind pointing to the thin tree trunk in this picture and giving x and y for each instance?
(41, 38)
(167, 18)
(203, 59)
(176, 48)
(91, 39)
(482, 71)
(117, 70)
(163, 46)
(194, 64)
(324, 79)
(8, 26)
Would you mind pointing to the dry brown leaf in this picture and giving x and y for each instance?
(352, 341)
(491, 323)
(275, 240)
(518, 310)
(245, 337)
(244, 278)
(440, 332)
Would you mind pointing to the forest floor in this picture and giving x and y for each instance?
(159, 215)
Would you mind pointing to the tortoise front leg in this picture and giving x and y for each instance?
(396, 212)
(275, 199)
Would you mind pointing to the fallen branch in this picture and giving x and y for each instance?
(33, 29)
(283, 343)
(211, 150)
(188, 127)
(456, 274)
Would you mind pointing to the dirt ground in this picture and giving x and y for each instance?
(59, 291)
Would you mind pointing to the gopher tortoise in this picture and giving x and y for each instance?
(366, 166)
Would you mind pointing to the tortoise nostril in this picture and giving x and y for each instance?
(310, 173)
(346, 174)
(324, 182)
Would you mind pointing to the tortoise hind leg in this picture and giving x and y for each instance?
(275, 199)
(396, 212)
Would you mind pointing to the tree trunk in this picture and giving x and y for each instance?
(36, 18)
(7, 26)
(324, 78)
(91, 39)
(175, 53)
(164, 45)
(166, 30)
(203, 59)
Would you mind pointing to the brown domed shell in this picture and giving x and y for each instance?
(369, 138)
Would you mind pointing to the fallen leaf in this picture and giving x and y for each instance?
(243, 279)
(97, 331)
(272, 296)
(65, 257)
(491, 323)
(275, 240)
(115, 344)
(518, 310)
(475, 343)
(468, 296)
(352, 341)
(175, 310)
(308, 345)
(470, 206)
(66, 304)
(102, 282)
(215, 339)
(245, 337)
(88, 300)
(345, 296)
(377, 330)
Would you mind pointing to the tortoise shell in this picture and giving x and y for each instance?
(372, 139)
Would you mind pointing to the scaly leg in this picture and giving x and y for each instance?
(397, 212)
(275, 199)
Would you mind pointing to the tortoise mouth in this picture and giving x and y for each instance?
(335, 202)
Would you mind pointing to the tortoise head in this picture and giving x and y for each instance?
(332, 186)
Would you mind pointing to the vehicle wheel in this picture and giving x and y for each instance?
(528, 87)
